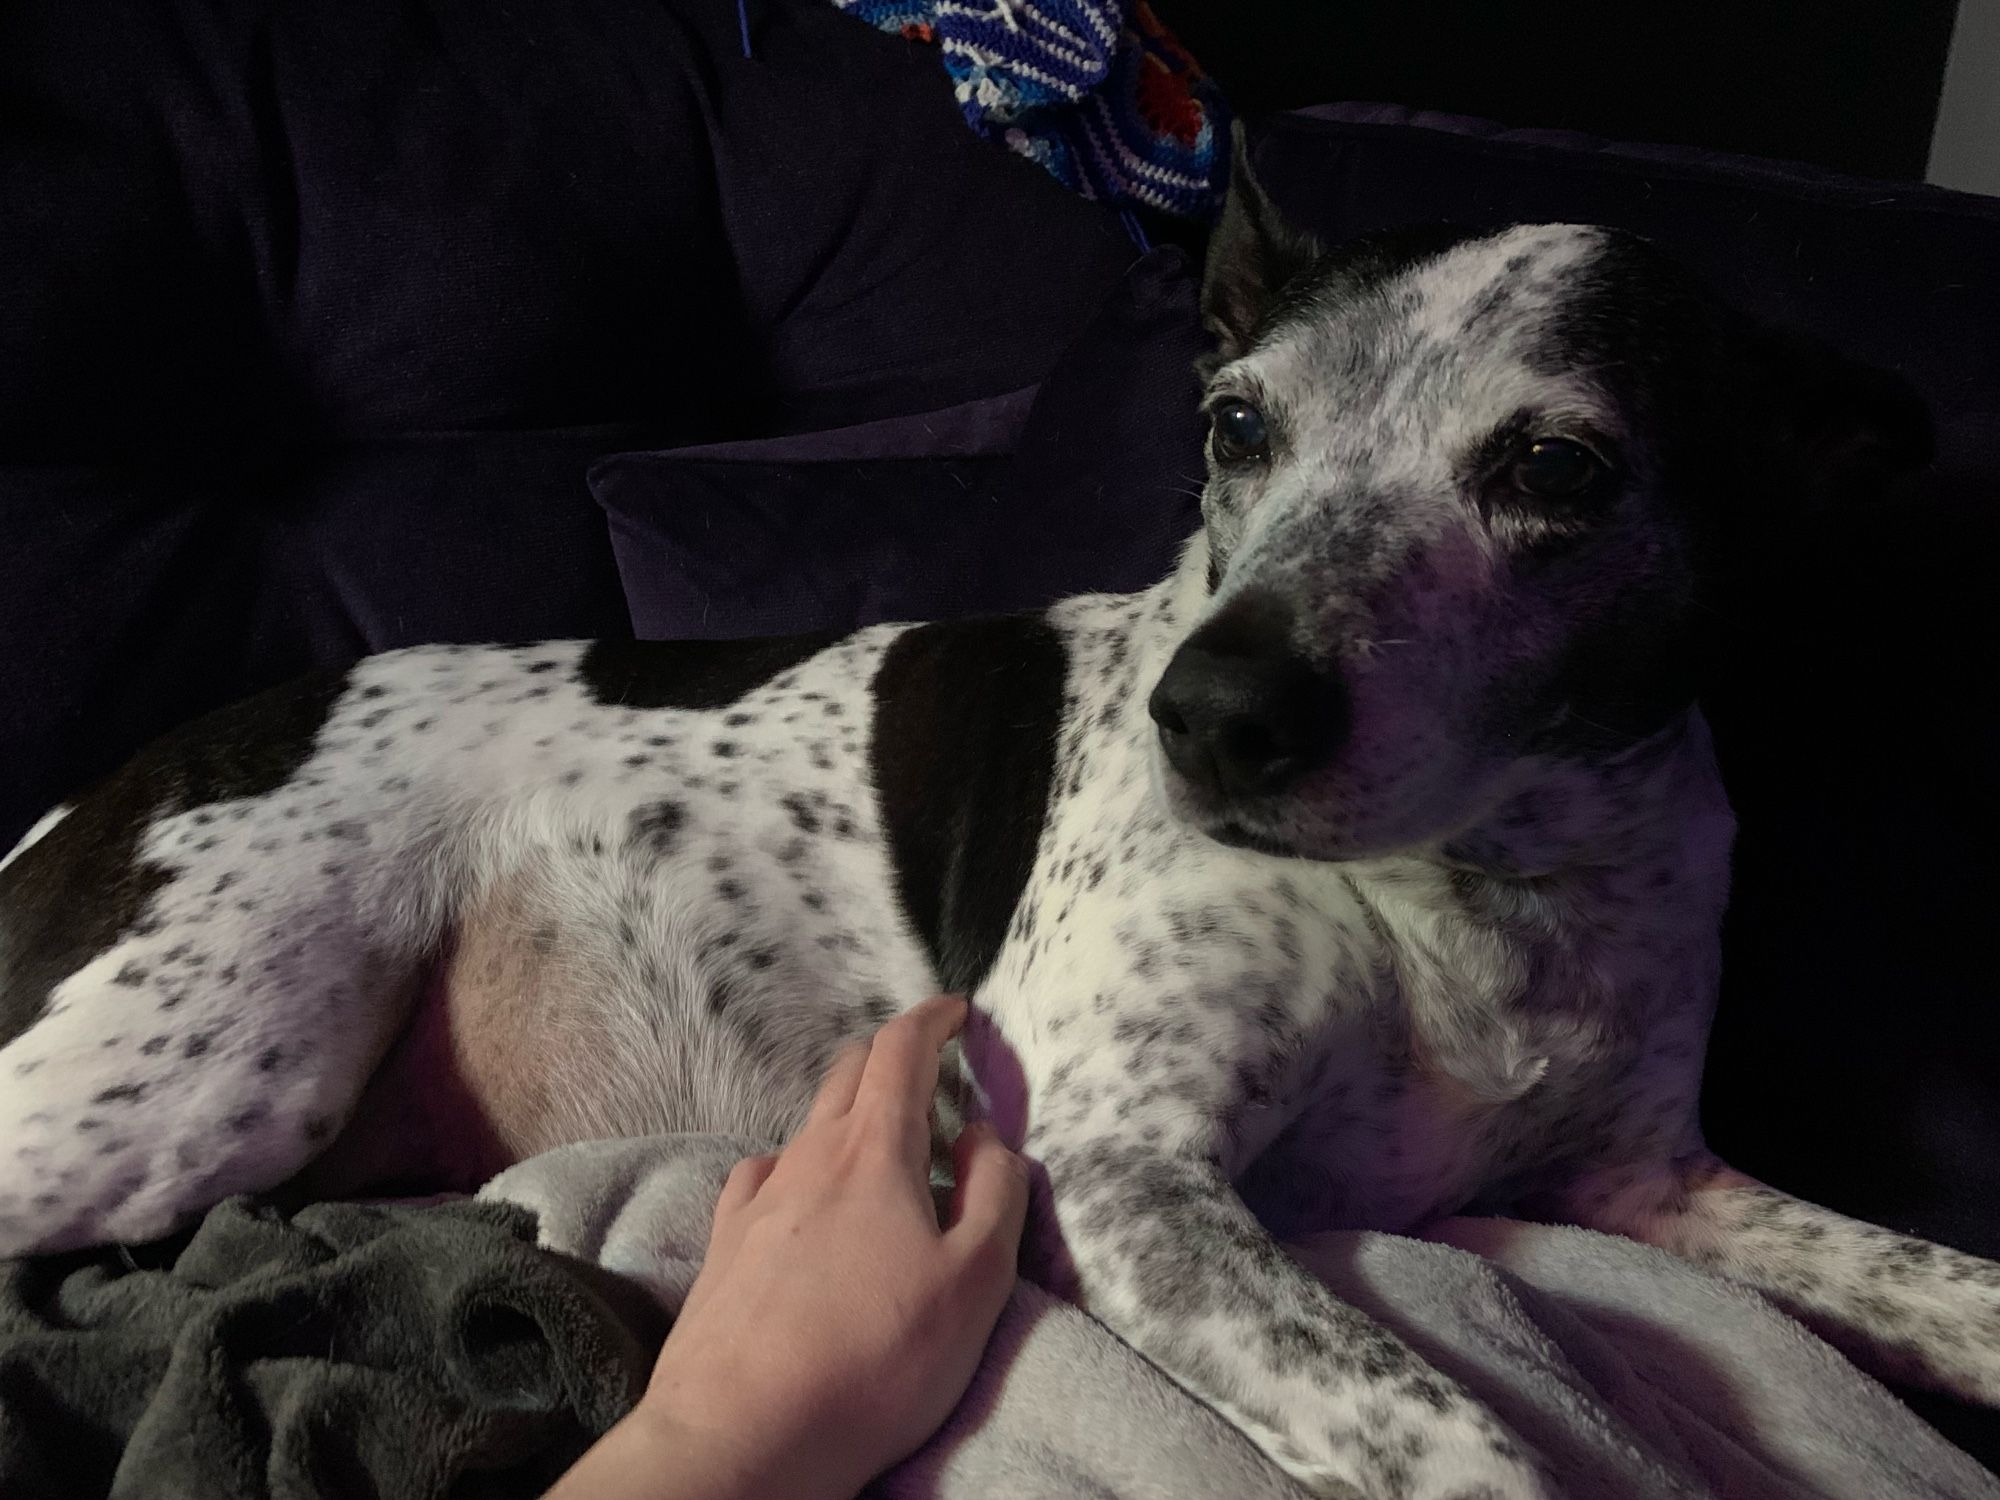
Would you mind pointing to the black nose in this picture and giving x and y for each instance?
(1241, 714)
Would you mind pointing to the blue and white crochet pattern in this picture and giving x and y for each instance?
(1097, 91)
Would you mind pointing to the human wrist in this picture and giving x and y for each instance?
(747, 1458)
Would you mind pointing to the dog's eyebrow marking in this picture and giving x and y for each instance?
(963, 758)
(1532, 424)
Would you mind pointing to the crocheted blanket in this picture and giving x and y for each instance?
(1097, 91)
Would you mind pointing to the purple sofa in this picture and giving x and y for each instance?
(332, 329)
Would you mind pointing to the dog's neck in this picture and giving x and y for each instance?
(1659, 799)
(1579, 910)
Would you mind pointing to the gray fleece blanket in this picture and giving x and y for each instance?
(1633, 1375)
(342, 1352)
(352, 1350)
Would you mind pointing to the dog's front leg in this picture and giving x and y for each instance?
(1901, 1308)
(1161, 1248)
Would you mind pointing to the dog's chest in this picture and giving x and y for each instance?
(1353, 1046)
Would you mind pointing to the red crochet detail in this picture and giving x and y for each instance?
(1167, 103)
(1166, 80)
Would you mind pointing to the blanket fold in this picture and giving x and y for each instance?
(434, 1351)
(1635, 1376)
(347, 1350)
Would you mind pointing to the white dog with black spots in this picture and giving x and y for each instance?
(1368, 868)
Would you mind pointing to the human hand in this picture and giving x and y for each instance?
(834, 1325)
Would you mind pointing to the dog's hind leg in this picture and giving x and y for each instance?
(166, 1074)
(200, 965)
(1901, 1308)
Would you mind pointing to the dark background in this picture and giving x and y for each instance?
(1853, 87)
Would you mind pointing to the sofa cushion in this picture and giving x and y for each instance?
(932, 516)
(316, 317)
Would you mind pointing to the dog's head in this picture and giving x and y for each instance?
(1466, 497)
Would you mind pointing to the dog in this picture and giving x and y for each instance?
(1368, 868)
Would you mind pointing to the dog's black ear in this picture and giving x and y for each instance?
(1845, 430)
(1251, 256)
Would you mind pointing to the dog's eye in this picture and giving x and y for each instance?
(1238, 432)
(1557, 469)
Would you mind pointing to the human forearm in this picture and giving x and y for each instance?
(650, 1456)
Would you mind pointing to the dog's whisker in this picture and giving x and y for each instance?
(1370, 648)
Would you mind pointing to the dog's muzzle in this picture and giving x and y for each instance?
(1240, 713)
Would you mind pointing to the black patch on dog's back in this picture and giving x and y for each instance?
(963, 756)
(82, 886)
(697, 675)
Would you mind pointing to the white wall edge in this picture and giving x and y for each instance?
(1965, 145)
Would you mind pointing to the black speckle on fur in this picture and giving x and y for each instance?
(803, 817)
(656, 827)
